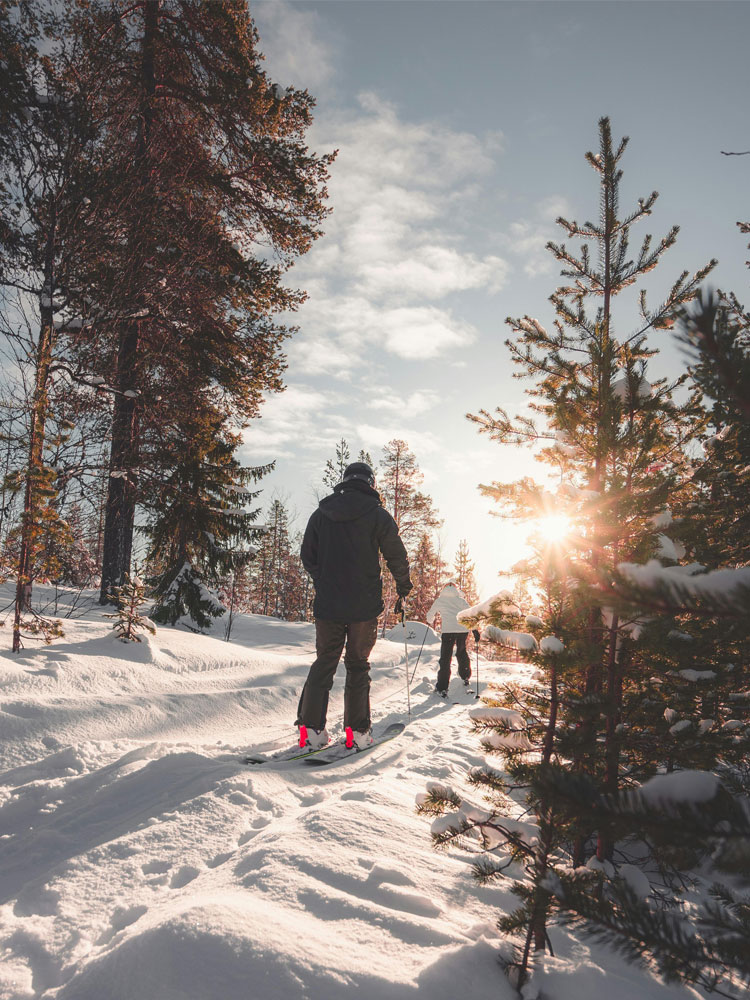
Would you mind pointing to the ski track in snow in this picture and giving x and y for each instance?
(139, 858)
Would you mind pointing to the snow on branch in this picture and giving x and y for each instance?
(513, 640)
(723, 592)
(500, 605)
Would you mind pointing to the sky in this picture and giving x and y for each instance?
(461, 128)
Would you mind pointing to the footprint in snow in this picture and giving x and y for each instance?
(314, 799)
(121, 918)
(156, 868)
(355, 795)
(379, 874)
(20, 709)
(184, 876)
(37, 901)
(220, 859)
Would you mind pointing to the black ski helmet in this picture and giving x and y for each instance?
(359, 470)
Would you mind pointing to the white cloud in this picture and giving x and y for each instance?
(297, 418)
(297, 51)
(393, 246)
(431, 271)
(375, 436)
(528, 237)
(413, 405)
(339, 331)
(423, 332)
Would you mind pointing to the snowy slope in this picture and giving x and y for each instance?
(139, 858)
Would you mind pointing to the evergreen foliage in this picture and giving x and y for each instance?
(399, 479)
(200, 529)
(464, 569)
(200, 169)
(427, 570)
(334, 470)
(128, 620)
(617, 445)
(279, 584)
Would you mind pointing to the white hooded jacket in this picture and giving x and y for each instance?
(448, 603)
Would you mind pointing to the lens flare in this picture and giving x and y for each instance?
(554, 527)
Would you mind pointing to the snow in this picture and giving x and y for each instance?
(139, 858)
(497, 716)
(697, 675)
(550, 645)
(501, 603)
(514, 640)
(680, 726)
(622, 391)
(732, 724)
(662, 520)
(415, 634)
(719, 583)
(669, 549)
(576, 493)
(680, 786)
(636, 880)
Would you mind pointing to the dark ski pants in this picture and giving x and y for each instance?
(447, 641)
(329, 643)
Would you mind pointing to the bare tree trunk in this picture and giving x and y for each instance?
(121, 488)
(35, 461)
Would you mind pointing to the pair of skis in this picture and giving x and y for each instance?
(331, 753)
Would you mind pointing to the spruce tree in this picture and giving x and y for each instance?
(201, 528)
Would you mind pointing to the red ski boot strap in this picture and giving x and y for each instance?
(302, 736)
(349, 738)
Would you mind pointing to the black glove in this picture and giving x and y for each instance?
(399, 606)
(475, 633)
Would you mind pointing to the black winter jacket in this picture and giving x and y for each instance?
(340, 551)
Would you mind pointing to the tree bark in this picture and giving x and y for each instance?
(35, 462)
(122, 487)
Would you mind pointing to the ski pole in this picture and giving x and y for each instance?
(419, 654)
(406, 662)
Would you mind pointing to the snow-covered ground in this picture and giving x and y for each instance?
(140, 859)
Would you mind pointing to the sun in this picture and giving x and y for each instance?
(554, 527)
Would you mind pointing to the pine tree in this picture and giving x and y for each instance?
(43, 160)
(201, 164)
(334, 470)
(413, 511)
(427, 572)
(463, 569)
(130, 598)
(617, 443)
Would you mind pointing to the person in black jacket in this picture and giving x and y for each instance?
(341, 552)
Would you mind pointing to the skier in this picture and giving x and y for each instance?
(341, 552)
(448, 603)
